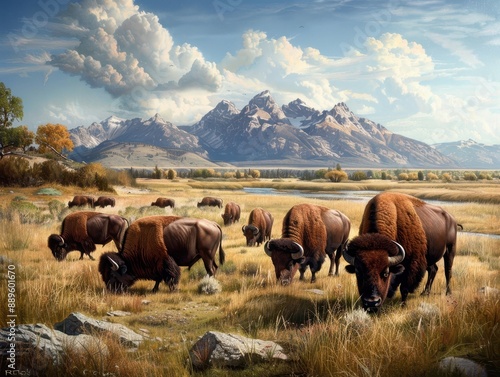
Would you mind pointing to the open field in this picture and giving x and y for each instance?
(315, 329)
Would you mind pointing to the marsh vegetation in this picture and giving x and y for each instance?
(320, 324)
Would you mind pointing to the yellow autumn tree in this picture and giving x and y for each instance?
(53, 137)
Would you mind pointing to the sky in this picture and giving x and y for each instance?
(425, 69)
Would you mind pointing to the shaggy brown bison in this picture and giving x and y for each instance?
(156, 246)
(81, 201)
(400, 237)
(260, 225)
(309, 233)
(232, 213)
(164, 202)
(83, 230)
(104, 201)
(210, 202)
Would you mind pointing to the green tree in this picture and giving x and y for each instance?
(359, 176)
(11, 109)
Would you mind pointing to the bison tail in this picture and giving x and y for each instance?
(222, 254)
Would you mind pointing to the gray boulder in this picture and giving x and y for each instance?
(230, 350)
(462, 367)
(36, 346)
(77, 323)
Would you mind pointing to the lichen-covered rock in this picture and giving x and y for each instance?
(77, 323)
(230, 350)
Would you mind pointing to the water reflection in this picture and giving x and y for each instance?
(362, 196)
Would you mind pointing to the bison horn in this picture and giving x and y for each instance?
(299, 254)
(114, 265)
(61, 242)
(266, 249)
(243, 228)
(348, 257)
(399, 257)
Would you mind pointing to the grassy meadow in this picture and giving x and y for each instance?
(320, 325)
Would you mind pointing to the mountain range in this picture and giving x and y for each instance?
(266, 134)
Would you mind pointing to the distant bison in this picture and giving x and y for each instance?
(400, 237)
(210, 202)
(156, 246)
(309, 233)
(260, 225)
(81, 201)
(83, 230)
(164, 202)
(104, 201)
(232, 213)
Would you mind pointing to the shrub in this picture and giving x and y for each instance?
(208, 285)
(49, 191)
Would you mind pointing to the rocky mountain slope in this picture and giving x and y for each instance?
(264, 133)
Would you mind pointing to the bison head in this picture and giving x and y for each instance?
(251, 232)
(58, 247)
(228, 218)
(114, 272)
(286, 256)
(374, 258)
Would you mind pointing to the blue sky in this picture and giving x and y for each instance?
(426, 69)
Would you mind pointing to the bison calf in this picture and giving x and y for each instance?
(83, 230)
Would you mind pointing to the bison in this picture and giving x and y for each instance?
(231, 213)
(156, 246)
(164, 202)
(210, 202)
(260, 225)
(400, 237)
(83, 230)
(81, 201)
(104, 201)
(309, 233)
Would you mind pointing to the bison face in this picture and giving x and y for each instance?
(251, 233)
(114, 273)
(228, 218)
(374, 259)
(286, 256)
(57, 246)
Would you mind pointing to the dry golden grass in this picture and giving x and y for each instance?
(314, 328)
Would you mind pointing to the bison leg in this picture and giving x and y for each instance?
(81, 255)
(431, 271)
(332, 262)
(448, 257)
(157, 285)
(302, 271)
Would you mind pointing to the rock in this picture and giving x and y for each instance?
(462, 367)
(230, 350)
(489, 291)
(318, 292)
(118, 313)
(77, 323)
(36, 346)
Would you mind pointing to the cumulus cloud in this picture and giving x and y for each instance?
(124, 50)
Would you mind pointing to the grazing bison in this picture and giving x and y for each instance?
(260, 225)
(164, 202)
(210, 202)
(104, 201)
(81, 201)
(231, 213)
(156, 246)
(143, 256)
(83, 230)
(309, 233)
(400, 237)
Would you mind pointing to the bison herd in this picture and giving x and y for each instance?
(399, 239)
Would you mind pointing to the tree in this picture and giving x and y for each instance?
(53, 137)
(11, 107)
(336, 175)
